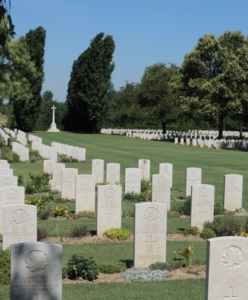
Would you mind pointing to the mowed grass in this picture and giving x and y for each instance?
(172, 290)
(120, 149)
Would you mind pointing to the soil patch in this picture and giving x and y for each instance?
(193, 272)
(101, 278)
(177, 237)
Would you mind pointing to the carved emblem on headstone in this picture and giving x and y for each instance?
(19, 216)
(161, 180)
(7, 182)
(151, 214)
(109, 194)
(36, 261)
(12, 194)
(232, 257)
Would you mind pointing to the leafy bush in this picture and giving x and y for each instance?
(60, 211)
(85, 214)
(173, 214)
(53, 192)
(219, 209)
(191, 230)
(29, 189)
(44, 214)
(187, 254)
(37, 202)
(117, 233)
(11, 156)
(126, 212)
(79, 231)
(143, 196)
(207, 233)
(5, 267)
(47, 198)
(159, 266)
(41, 233)
(64, 272)
(185, 208)
(145, 185)
(224, 226)
(40, 182)
(229, 213)
(241, 234)
(110, 268)
(20, 180)
(246, 225)
(80, 266)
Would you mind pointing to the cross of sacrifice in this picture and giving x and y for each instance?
(53, 108)
(231, 297)
(150, 241)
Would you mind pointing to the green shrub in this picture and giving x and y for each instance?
(158, 266)
(173, 214)
(29, 189)
(207, 233)
(184, 209)
(47, 198)
(145, 185)
(53, 192)
(85, 214)
(44, 214)
(110, 268)
(59, 211)
(5, 267)
(20, 180)
(117, 233)
(246, 225)
(193, 230)
(80, 266)
(219, 209)
(64, 272)
(142, 197)
(224, 226)
(41, 233)
(79, 231)
(126, 212)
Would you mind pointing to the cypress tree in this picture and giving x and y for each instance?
(90, 84)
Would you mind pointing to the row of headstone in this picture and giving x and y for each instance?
(11, 132)
(70, 151)
(45, 151)
(21, 150)
(34, 138)
(6, 137)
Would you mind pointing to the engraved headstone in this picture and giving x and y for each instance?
(149, 234)
(167, 169)
(132, 180)
(108, 208)
(85, 193)
(36, 271)
(193, 177)
(233, 191)
(98, 169)
(161, 190)
(202, 205)
(68, 177)
(7, 180)
(113, 173)
(19, 224)
(4, 166)
(226, 275)
(47, 165)
(144, 166)
(6, 172)
(56, 182)
(82, 154)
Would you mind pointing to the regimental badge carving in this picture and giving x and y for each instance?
(12, 194)
(161, 181)
(85, 181)
(19, 216)
(36, 261)
(7, 182)
(232, 257)
(234, 181)
(166, 169)
(151, 214)
(203, 198)
(194, 179)
(109, 194)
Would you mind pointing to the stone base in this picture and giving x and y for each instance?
(53, 128)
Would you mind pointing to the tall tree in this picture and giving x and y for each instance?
(35, 42)
(211, 73)
(157, 96)
(90, 85)
(8, 29)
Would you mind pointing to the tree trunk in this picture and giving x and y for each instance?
(164, 127)
(221, 125)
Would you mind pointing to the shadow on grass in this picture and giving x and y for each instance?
(128, 262)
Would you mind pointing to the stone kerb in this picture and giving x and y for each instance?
(8, 180)
(36, 271)
(98, 170)
(161, 190)
(150, 223)
(68, 190)
(85, 193)
(144, 166)
(19, 224)
(56, 182)
(113, 173)
(193, 177)
(108, 208)
(202, 205)
(226, 274)
(132, 180)
(167, 169)
(233, 191)
(10, 195)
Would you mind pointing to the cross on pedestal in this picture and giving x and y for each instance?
(150, 241)
(53, 108)
(109, 213)
(231, 297)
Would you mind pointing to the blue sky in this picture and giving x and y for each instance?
(145, 32)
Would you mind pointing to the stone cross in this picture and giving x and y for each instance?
(53, 108)
(231, 297)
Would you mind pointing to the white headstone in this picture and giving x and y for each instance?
(193, 177)
(108, 208)
(149, 234)
(161, 190)
(8, 180)
(85, 193)
(233, 191)
(8, 172)
(47, 165)
(98, 169)
(144, 166)
(68, 183)
(113, 173)
(167, 169)
(56, 182)
(82, 154)
(202, 205)
(132, 180)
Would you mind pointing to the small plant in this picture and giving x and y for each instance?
(37, 202)
(44, 214)
(241, 234)
(5, 267)
(60, 211)
(126, 212)
(110, 268)
(20, 180)
(64, 272)
(29, 189)
(41, 233)
(229, 213)
(187, 254)
(117, 233)
(86, 214)
(142, 197)
(79, 231)
(159, 266)
(193, 230)
(47, 198)
(246, 225)
(219, 209)
(145, 185)
(224, 226)
(40, 182)
(53, 192)
(81, 266)
(207, 233)
(185, 208)
(173, 214)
